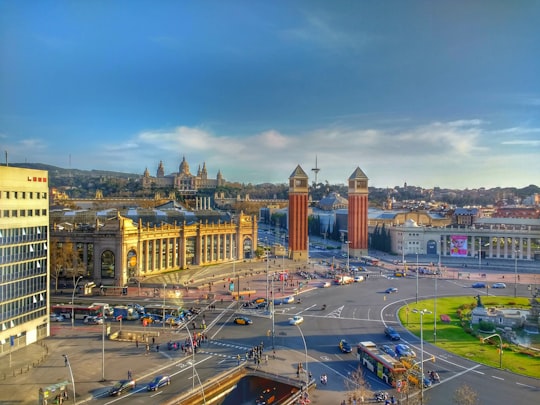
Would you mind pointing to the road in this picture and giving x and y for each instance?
(356, 312)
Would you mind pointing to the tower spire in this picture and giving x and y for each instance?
(316, 170)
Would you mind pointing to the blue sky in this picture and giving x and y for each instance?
(432, 93)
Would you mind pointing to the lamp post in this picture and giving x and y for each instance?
(515, 271)
(421, 313)
(417, 276)
(305, 349)
(164, 286)
(103, 351)
(500, 346)
(72, 379)
(348, 257)
(267, 297)
(73, 303)
(193, 371)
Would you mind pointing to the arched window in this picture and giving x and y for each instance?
(107, 264)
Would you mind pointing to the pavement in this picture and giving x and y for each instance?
(25, 371)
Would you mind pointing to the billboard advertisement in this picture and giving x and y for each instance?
(458, 245)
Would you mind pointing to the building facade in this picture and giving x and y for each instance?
(357, 229)
(24, 241)
(298, 214)
(183, 181)
(118, 250)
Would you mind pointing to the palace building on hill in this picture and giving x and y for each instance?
(184, 181)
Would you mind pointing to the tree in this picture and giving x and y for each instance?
(64, 261)
(357, 387)
(465, 395)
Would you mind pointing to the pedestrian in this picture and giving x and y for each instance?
(157, 348)
(238, 359)
(129, 375)
(137, 343)
(65, 361)
(153, 340)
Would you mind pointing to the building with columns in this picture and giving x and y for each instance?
(116, 250)
(298, 214)
(488, 238)
(357, 220)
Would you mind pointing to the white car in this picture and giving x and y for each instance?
(296, 320)
(498, 285)
(93, 320)
(358, 279)
(57, 318)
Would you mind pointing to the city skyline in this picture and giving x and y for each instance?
(441, 94)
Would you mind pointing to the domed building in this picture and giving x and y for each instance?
(183, 181)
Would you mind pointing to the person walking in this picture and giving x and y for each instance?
(129, 375)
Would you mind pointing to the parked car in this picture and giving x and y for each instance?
(296, 320)
(242, 320)
(479, 285)
(391, 333)
(122, 386)
(344, 346)
(498, 285)
(388, 350)
(402, 350)
(158, 382)
(391, 290)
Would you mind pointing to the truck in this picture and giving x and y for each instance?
(342, 279)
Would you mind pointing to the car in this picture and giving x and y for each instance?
(479, 285)
(358, 279)
(296, 320)
(93, 320)
(414, 378)
(288, 300)
(388, 350)
(326, 284)
(242, 320)
(344, 346)
(57, 318)
(391, 290)
(158, 382)
(498, 285)
(402, 350)
(391, 333)
(122, 386)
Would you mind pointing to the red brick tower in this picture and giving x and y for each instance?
(358, 214)
(298, 215)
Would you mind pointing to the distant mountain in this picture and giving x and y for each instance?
(55, 171)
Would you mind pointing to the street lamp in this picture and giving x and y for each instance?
(71, 373)
(73, 302)
(267, 297)
(305, 349)
(417, 276)
(164, 286)
(421, 313)
(348, 258)
(193, 371)
(500, 346)
(515, 272)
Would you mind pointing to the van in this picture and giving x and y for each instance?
(106, 308)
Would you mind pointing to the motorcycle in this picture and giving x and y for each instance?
(381, 396)
(434, 377)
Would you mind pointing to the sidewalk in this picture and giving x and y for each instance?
(85, 350)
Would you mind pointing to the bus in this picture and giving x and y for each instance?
(78, 311)
(384, 366)
(370, 261)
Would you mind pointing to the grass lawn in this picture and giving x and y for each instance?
(452, 337)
